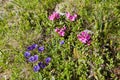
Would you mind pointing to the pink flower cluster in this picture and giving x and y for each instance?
(85, 37)
(54, 16)
(61, 31)
(71, 17)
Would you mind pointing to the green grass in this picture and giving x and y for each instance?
(24, 22)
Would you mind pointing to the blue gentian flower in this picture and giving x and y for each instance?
(36, 68)
(62, 42)
(41, 64)
(33, 58)
(47, 60)
(36, 57)
(32, 47)
(40, 49)
(27, 54)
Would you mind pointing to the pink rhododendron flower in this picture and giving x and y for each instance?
(61, 31)
(54, 16)
(71, 17)
(85, 37)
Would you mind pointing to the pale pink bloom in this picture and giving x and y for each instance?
(61, 31)
(54, 16)
(84, 37)
(68, 15)
(71, 17)
(75, 15)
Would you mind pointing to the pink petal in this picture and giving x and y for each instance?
(72, 18)
(89, 42)
(61, 33)
(68, 15)
(84, 37)
(57, 16)
(75, 15)
(54, 16)
(57, 30)
(51, 17)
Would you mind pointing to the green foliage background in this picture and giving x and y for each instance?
(24, 22)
